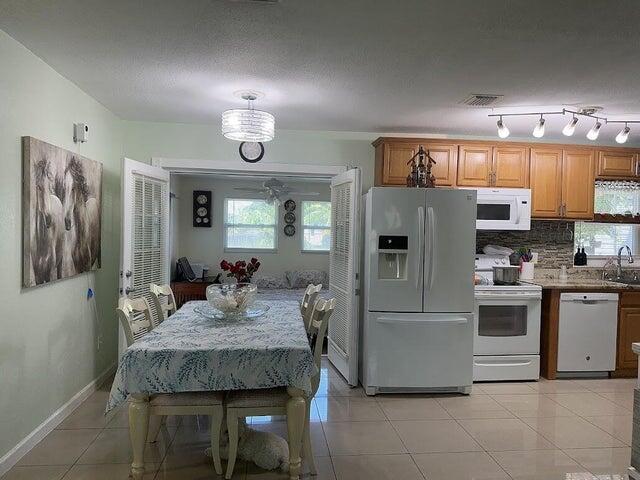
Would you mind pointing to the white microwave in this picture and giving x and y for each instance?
(503, 209)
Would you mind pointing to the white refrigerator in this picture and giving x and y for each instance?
(418, 290)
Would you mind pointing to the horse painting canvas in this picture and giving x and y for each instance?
(61, 205)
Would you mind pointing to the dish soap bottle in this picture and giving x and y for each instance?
(577, 257)
(583, 257)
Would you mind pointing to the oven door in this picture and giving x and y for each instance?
(507, 324)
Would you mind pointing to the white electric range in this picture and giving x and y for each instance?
(506, 344)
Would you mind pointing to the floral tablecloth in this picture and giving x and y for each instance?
(190, 353)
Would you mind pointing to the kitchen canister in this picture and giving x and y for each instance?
(526, 270)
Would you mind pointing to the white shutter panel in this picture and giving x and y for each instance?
(149, 233)
(343, 273)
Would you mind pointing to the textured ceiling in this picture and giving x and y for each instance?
(352, 65)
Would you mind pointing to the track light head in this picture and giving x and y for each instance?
(503, 131)
(570, 128)
(595, 131)
(623, 136)
(538, 130)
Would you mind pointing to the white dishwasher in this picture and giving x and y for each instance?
(587, 332)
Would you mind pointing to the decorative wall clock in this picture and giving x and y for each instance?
(251, 152)
(202, 208)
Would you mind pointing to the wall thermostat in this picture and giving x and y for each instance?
(80, 132)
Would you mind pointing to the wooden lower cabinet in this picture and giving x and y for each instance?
(628, 333)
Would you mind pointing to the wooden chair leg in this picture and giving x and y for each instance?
(307, 450)
(216, 431)
(232, 429)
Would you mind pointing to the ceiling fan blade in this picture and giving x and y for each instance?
(304, 194)
(249, 189)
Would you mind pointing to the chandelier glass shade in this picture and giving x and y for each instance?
(248, 125)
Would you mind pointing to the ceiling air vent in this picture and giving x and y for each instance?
(482, 100)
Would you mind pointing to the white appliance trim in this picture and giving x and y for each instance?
(13, 456)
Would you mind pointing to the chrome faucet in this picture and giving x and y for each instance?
(630, 259)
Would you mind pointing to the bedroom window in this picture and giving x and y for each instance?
(604, 239)
(249, 224)
(316, 226)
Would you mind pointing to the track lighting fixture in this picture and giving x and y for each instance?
(503, 131)
(595, 131)
(623, 136)
(538, 130)
(570, 128)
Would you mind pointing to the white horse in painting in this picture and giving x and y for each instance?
(46, 227)
(81, 218)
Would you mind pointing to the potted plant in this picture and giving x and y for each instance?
(240, 270)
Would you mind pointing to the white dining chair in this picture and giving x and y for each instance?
(163, 301)
(135, 318)
(308, 301)
(273, 401)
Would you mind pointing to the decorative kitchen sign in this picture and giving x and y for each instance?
(420, 175)
(61, 205)
(202, 208)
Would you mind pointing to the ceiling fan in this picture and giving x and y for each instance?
(273, 189)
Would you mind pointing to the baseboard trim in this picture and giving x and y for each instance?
(23, 447)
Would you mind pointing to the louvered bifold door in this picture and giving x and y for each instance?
(145, 230)
(344, 266)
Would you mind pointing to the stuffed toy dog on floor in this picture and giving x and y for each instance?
(267, 450)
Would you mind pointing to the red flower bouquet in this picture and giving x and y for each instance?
(242, 271)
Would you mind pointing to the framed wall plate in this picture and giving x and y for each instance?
(289, 217)
(290, 205)
(202, 208)
(289, 230)
(251, 152)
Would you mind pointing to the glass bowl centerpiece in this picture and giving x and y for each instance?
(231, 299)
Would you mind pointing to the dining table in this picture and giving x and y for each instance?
(189, 352)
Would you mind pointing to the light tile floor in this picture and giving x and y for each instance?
(564, 429)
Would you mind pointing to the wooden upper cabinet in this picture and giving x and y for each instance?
(578, 183)
(474, 165)
(510, 167)
(392, 157)
(546, 182)
(394, 164)
(446, 165)
(613, 164)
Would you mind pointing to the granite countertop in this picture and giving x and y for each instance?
(580, 283)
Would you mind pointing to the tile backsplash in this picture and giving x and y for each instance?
(553, 240)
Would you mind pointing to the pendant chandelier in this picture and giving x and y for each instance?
(248, 124)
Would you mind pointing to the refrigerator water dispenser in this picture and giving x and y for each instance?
(392, 257)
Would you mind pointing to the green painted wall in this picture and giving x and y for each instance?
(53, 341)
(143, 140)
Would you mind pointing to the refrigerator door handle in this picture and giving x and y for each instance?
(432, 240)
(420, 244)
